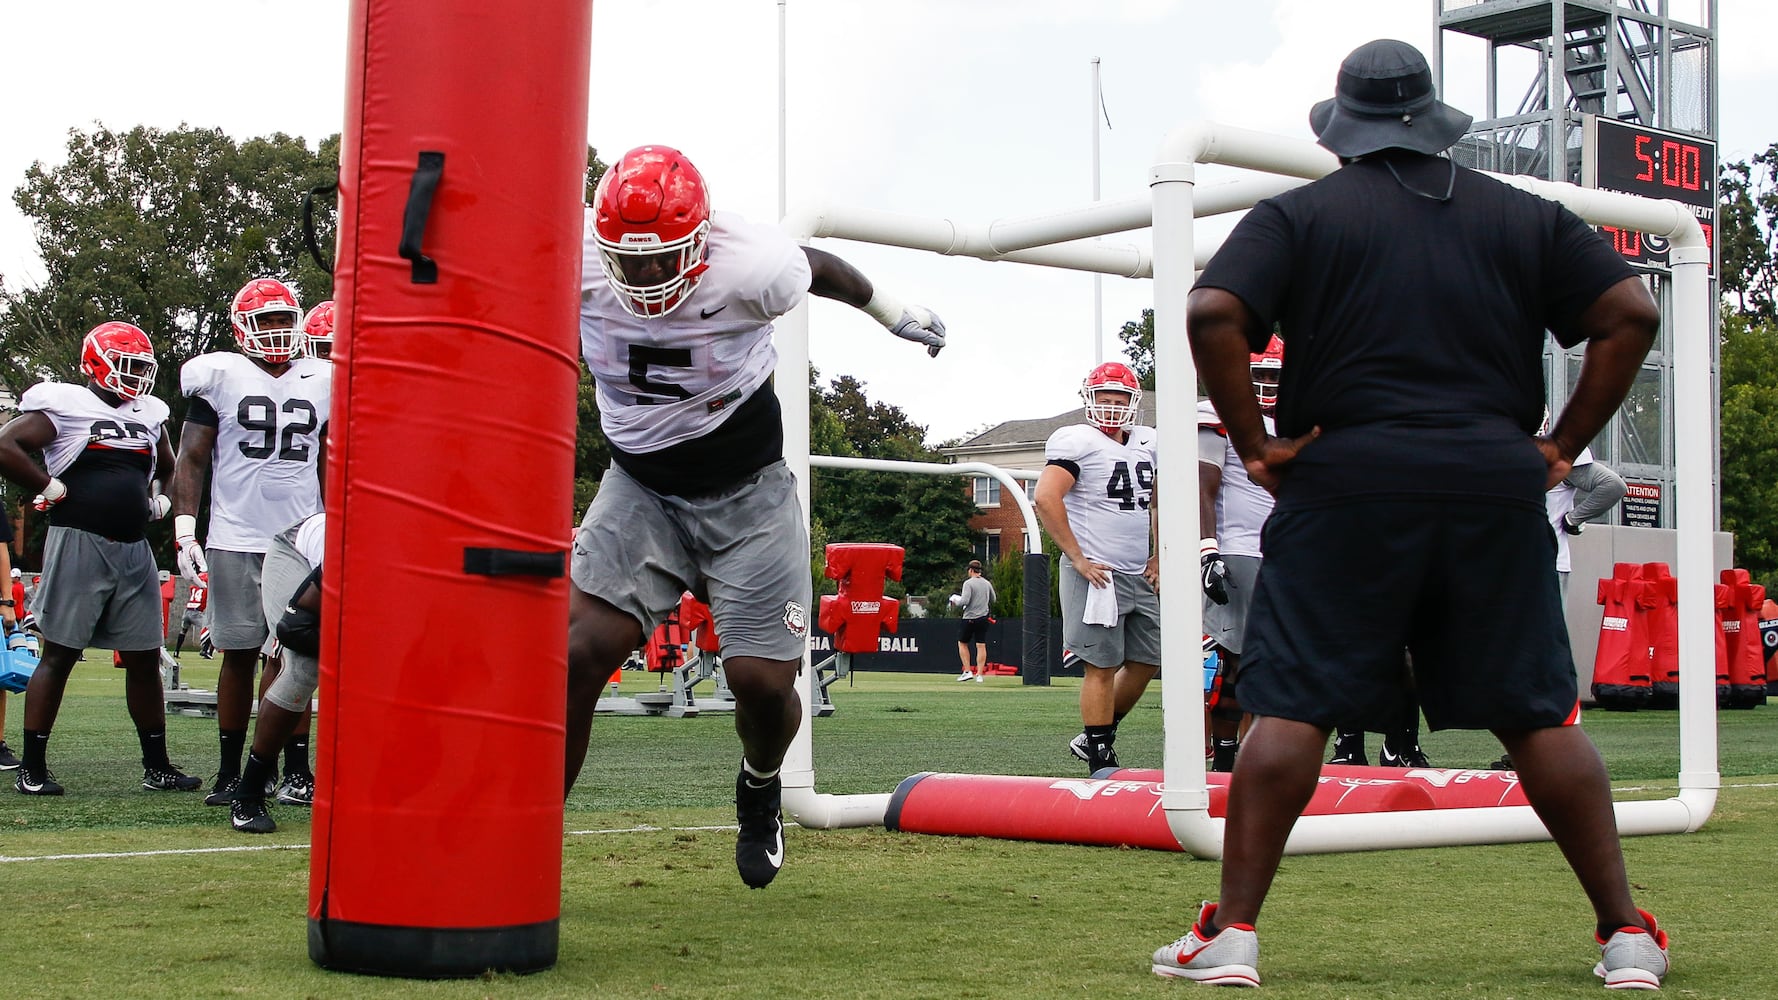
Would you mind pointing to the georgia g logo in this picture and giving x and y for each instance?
(796, 620)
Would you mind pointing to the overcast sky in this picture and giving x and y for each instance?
(965, 109)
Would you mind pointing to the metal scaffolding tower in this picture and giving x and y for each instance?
(1553, 86)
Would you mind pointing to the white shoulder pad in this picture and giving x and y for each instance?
(1207, 414)
(203, 373)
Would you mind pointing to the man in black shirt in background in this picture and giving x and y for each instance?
(1413, 297)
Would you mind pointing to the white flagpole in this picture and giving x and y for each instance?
(783, 130)
(1098, 280)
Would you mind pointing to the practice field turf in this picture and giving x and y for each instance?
(652, 906)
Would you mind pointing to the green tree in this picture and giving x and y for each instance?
(1008, 577)
(1749, 439)
(1747, 228)
(1138, 339)
(928, 516)
(160, 228)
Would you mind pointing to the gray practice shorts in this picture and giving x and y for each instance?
(192, 620)
(97, 592)
(1135, 639)
(743, 551)
(1225, 624)
(284, 570)
(237, 620)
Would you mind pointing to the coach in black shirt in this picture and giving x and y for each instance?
(1413, 297)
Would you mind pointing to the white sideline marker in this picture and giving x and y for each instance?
(108, 855)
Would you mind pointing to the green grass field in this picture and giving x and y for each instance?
(866, 913)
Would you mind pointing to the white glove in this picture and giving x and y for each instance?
(158, 506)
(192, 564)
(915, 323)
(956, 600)
(53, 493)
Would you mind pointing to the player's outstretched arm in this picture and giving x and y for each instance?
(832, 278)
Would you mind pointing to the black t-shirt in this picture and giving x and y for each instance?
(749, 440)
(1413, 328)
(107, 494)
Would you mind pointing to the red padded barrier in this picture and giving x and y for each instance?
(695, 616)
(1746, 652)
(1660, 601)
(1445, 787)
(1728, 628)
(855, 615)
(1768, 633)
(1101, 812)
(1621, 662)
(666, 644)
(457, 284)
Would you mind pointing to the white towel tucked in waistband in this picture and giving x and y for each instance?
(1102, 604)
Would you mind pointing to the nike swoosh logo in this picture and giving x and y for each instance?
(1184, 957)
(307, 375)
(707, 313)
(776, 858)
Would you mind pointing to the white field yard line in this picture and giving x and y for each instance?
(247, 848)
(642, 828)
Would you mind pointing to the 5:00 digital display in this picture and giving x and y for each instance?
(1654, 163)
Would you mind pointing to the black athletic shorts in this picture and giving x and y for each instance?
(973, 631)
(1469, 588)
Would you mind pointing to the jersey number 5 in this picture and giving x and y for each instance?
(259, 414)
(1123, 489)
(641, 357)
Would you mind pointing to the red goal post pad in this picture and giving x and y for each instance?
(457, 278)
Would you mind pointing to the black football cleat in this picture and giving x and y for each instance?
(169, 779)
(759, 850)
(226, 790)
(29, 784)
(250, 816)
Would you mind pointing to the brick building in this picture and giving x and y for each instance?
(1015, 444)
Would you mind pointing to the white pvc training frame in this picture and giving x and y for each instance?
(1062, 239)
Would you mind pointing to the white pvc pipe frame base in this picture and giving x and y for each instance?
(1061, 239)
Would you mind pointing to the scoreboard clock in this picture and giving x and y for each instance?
(1653, 163)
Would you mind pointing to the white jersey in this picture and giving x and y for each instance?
(83, 420)
(668, 379)
(1558, 501)
(1113, 487)
(269, 432)
(1242, 505)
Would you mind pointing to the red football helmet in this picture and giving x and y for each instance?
(1114, 377)
(119, 357)
(652, 221)
(258, 313)
(1268, 368)
(318, 332)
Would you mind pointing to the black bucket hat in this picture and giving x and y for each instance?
(1384, 100)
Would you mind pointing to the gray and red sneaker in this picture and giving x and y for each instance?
(1226, 958)
(1633, 958)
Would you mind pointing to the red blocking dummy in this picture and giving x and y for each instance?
(437, 834)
